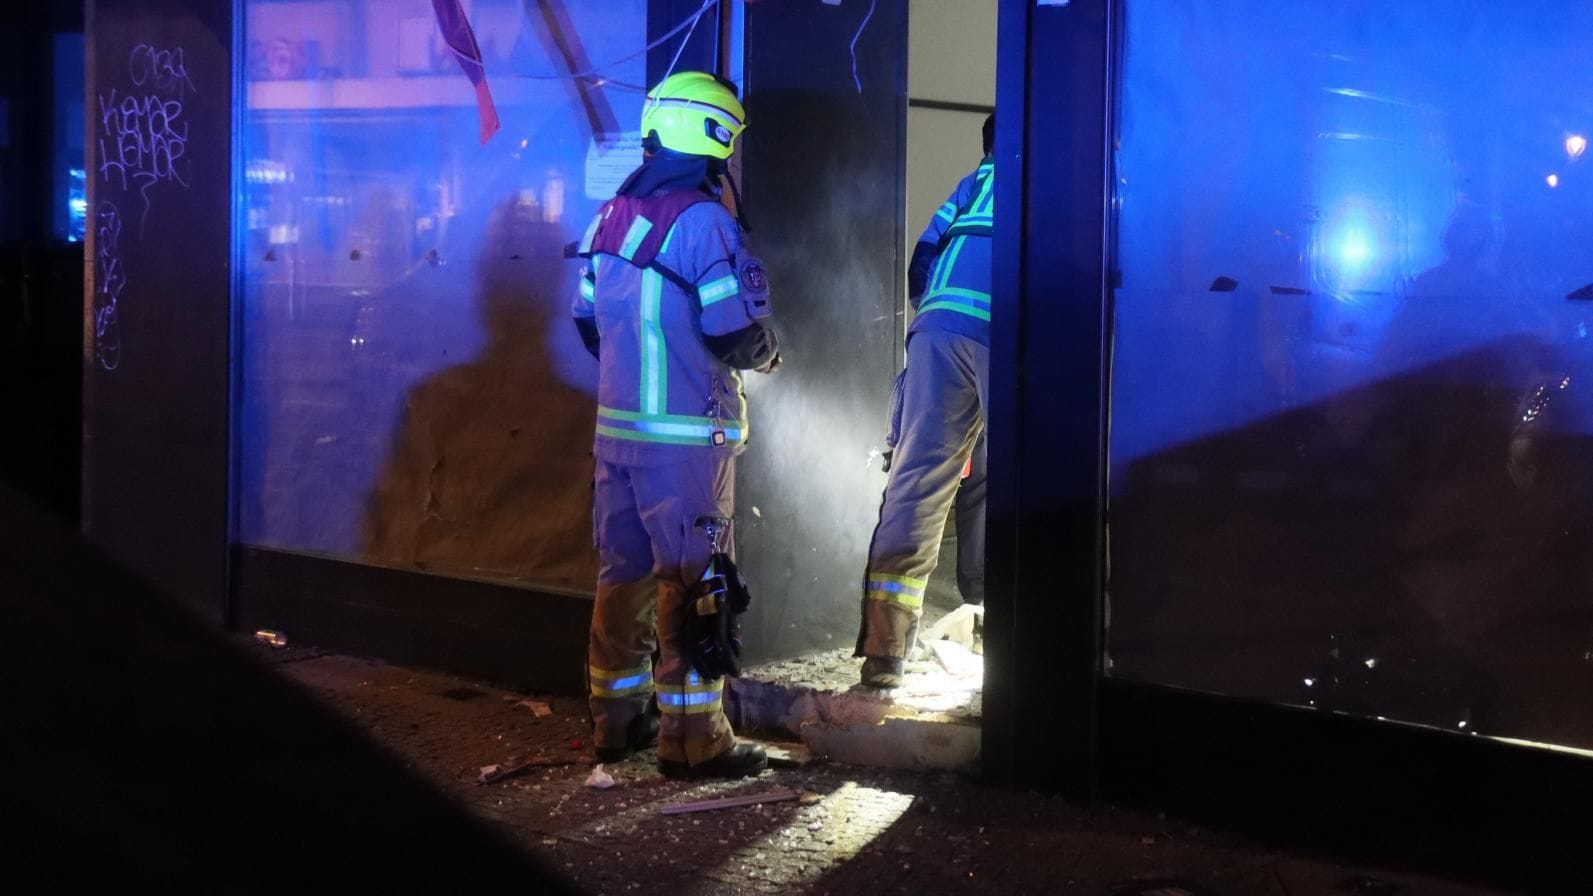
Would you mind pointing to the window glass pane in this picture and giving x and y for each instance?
(1352, 395)
(70, 206)
(413, 391)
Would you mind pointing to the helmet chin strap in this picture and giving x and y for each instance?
(720, 168)
(718, 171)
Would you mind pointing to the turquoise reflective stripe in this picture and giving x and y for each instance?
(972, 227)
(588, 289)
(720, 289)
(947, 212)
(669, 429)
(616, 414)
(700, 432)
(958, 307)
(633, 237)
(654, 373)
(944, 264)
(591, 234)
(980, 210)
(956, 293)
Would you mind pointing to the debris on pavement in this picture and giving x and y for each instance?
(599, 778)
(499, 771)
(957, 659)
(269, 636)
(959, 625)
(1159, 887)
(538, 708)
(783, 754)
(1368, 884)
(777, 795)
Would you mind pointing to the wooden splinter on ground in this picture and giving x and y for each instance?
(777, 795)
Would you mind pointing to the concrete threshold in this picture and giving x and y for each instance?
(930, 723)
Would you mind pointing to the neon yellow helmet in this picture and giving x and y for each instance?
(694, 113)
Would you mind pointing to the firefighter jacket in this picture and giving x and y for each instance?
(956, 297)
(672, 305)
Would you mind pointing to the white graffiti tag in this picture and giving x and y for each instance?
(143, 136)
(110, 278)
(165, 71)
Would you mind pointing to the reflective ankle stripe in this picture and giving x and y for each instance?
(694, 697)
(620, 682)
(904, 591)
(668, 429)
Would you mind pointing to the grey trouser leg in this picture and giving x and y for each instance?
(943, 399)
(971, 528)
(646, 534)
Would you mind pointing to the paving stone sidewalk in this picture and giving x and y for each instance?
(854, 830)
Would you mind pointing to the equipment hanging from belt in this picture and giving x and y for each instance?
(711, 635)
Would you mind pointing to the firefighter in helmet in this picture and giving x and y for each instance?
(674, 308)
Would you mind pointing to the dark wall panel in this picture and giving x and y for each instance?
(823, 163)
(157, 304)
(1047, 386)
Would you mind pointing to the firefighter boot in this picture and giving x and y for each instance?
(883, 672)
(640, 734)
(740, 761)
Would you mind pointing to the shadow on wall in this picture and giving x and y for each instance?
(490, 469)
(1414, 548)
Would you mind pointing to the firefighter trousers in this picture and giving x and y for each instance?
(649, 550)
(944, 395)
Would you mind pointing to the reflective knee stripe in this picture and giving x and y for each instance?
(904, 591)
(621, 682)
(668, 429)
(694, 697)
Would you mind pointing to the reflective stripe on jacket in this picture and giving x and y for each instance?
(662, 395)
(958, 294)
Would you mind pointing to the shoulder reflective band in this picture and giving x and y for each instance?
(591, 234)
(634, 237)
